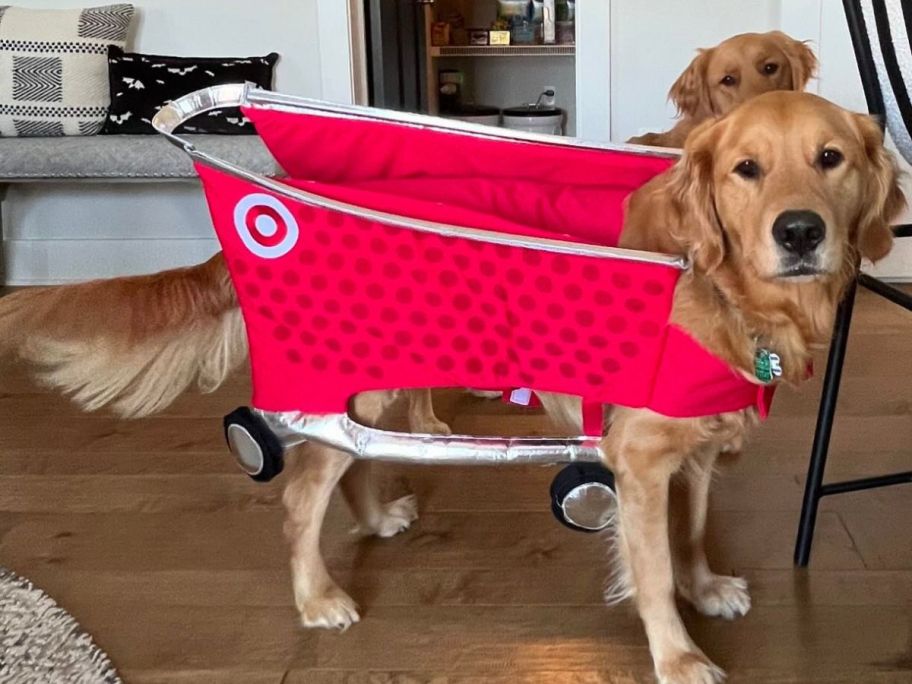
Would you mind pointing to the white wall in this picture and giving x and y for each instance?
(652, 42)
(76, 231)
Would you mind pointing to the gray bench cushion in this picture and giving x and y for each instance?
(112, 157)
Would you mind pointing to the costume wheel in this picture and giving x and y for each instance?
(257, 450)
(583, 497)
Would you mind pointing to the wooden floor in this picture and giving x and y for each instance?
(176, 563)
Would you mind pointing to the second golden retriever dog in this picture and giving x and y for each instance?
(737, 69)
(774, 203)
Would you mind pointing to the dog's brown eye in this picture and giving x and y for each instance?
(770, 68)
(728, 80)
(748, 169)
(830, 159)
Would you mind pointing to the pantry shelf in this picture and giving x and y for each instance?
(504, 51)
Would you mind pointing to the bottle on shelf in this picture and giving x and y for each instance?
(565, 11)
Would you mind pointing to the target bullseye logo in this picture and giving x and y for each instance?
(265, 225)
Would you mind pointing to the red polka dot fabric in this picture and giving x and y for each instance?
(336, 304)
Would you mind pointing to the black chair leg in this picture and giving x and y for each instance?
(825, 415)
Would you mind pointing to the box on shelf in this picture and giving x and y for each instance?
(499, 37)
(440, 33)
(478, 36)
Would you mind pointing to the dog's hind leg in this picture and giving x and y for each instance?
(318, 469)
(711, 594)
(319, 599)
(421, 416)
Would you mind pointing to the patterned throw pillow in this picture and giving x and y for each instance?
(143, 84)
(53, 68)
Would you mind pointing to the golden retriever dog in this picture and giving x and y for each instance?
(737, 69)
(774, 203)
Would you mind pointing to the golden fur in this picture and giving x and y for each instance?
(735, 297)
(134, 343)
(700, 94)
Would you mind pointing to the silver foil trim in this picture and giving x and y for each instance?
(178, 111)
(184, 108)
(341, 432)
(268, 99)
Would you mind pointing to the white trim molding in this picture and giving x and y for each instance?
(341, 44)
(593, 70)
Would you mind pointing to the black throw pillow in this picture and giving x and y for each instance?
(143, 84)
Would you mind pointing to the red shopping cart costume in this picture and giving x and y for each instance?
(336, 303)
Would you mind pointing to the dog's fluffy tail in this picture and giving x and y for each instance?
(132, 343)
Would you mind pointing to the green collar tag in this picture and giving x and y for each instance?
(767, 365)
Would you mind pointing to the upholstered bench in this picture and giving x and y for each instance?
(104, 159)
(121, 157)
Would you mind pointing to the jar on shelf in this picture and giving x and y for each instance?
(507, 9)
(450, 90)
(523, 32)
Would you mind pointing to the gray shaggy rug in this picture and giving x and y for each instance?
(41, 642)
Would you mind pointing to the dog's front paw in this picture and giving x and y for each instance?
(397, 517)
(689, 668)
(333, 610)
(722, 596)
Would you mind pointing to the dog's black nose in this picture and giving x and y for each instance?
(799, 232)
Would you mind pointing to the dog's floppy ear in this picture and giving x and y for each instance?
(883, 197)
(690, 93)
(691, 193)
(802, 59)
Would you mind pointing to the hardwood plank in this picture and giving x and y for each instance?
(96, 433)
(514, 676)
(253, 539)
(213, 676)
(612, 676)
(447, 587)
(136, 493)
(881, 536)
(465, 490)
(171, 638)
(38, 461)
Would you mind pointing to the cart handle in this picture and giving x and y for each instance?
(181, 110)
